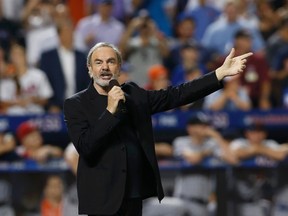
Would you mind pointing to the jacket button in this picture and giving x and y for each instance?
(124, 170)
(123, 147)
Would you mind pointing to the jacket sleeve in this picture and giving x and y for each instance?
(175, 96)
(88, 135)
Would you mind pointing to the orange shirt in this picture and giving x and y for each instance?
(47, 209)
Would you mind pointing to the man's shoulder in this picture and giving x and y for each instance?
(77, 96)
(130, 85)
(75, 101)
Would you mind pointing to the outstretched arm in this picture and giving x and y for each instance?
(232, 65)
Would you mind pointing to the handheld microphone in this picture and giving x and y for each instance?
(121, 105)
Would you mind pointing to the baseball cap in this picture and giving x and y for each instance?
(243, 33)
(156, 71)
(24, 129)
(198, 119)
(256, 127)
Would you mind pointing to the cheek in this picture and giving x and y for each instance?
(93, 72)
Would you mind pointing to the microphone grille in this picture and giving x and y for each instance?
(112, 83)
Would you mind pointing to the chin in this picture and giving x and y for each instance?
(102, 83)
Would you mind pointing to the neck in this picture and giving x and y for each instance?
(102, 90)
(21, 69)
(66, 46)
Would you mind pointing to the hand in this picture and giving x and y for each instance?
(211, 132)
(114, 96)
(135, 24)
(42, 154)
(232, 65)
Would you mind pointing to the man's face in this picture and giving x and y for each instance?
(197, 130)
(104, 66)
(256, 136)
(33, 140)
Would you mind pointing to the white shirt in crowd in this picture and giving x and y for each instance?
(34, 83)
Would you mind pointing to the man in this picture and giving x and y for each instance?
(255, 78)
(202, 141)
(65, 67)
(117, 165)
(99, 26)
(254, 189)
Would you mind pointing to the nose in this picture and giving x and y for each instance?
(105, 65)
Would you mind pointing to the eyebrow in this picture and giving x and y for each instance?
(109, 59)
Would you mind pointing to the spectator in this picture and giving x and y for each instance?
(7, 146)
(184, 33)
(203, 14)
(255, 77)
(65, 67)
(40, 32)
(100, 26)
(254, 189)
(184, 28)
(52, 200)
(32, 148)
(190, 58)
(201, 142)
(233, 97)
(269, 19)
(142, 46)
(32, 144)
(219, 35)
(27, 89)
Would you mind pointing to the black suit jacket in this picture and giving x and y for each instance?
(51, 65)
(101, 174)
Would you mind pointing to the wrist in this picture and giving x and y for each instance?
(112, 111)
(219, 73)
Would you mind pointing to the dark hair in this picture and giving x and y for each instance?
(256, 127)
(242, 33)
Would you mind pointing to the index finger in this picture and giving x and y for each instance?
(244, 55)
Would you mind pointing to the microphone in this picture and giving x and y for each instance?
(121, 105)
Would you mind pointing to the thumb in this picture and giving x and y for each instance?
(231, 54)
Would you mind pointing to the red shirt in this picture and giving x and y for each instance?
(255, 74)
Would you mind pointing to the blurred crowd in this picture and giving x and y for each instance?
(43, 48)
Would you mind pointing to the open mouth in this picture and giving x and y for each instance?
(106, 76)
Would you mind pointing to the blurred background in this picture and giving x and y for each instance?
(223, 155)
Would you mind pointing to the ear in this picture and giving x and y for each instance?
(90, 71)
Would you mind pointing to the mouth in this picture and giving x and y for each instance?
(106, 76)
